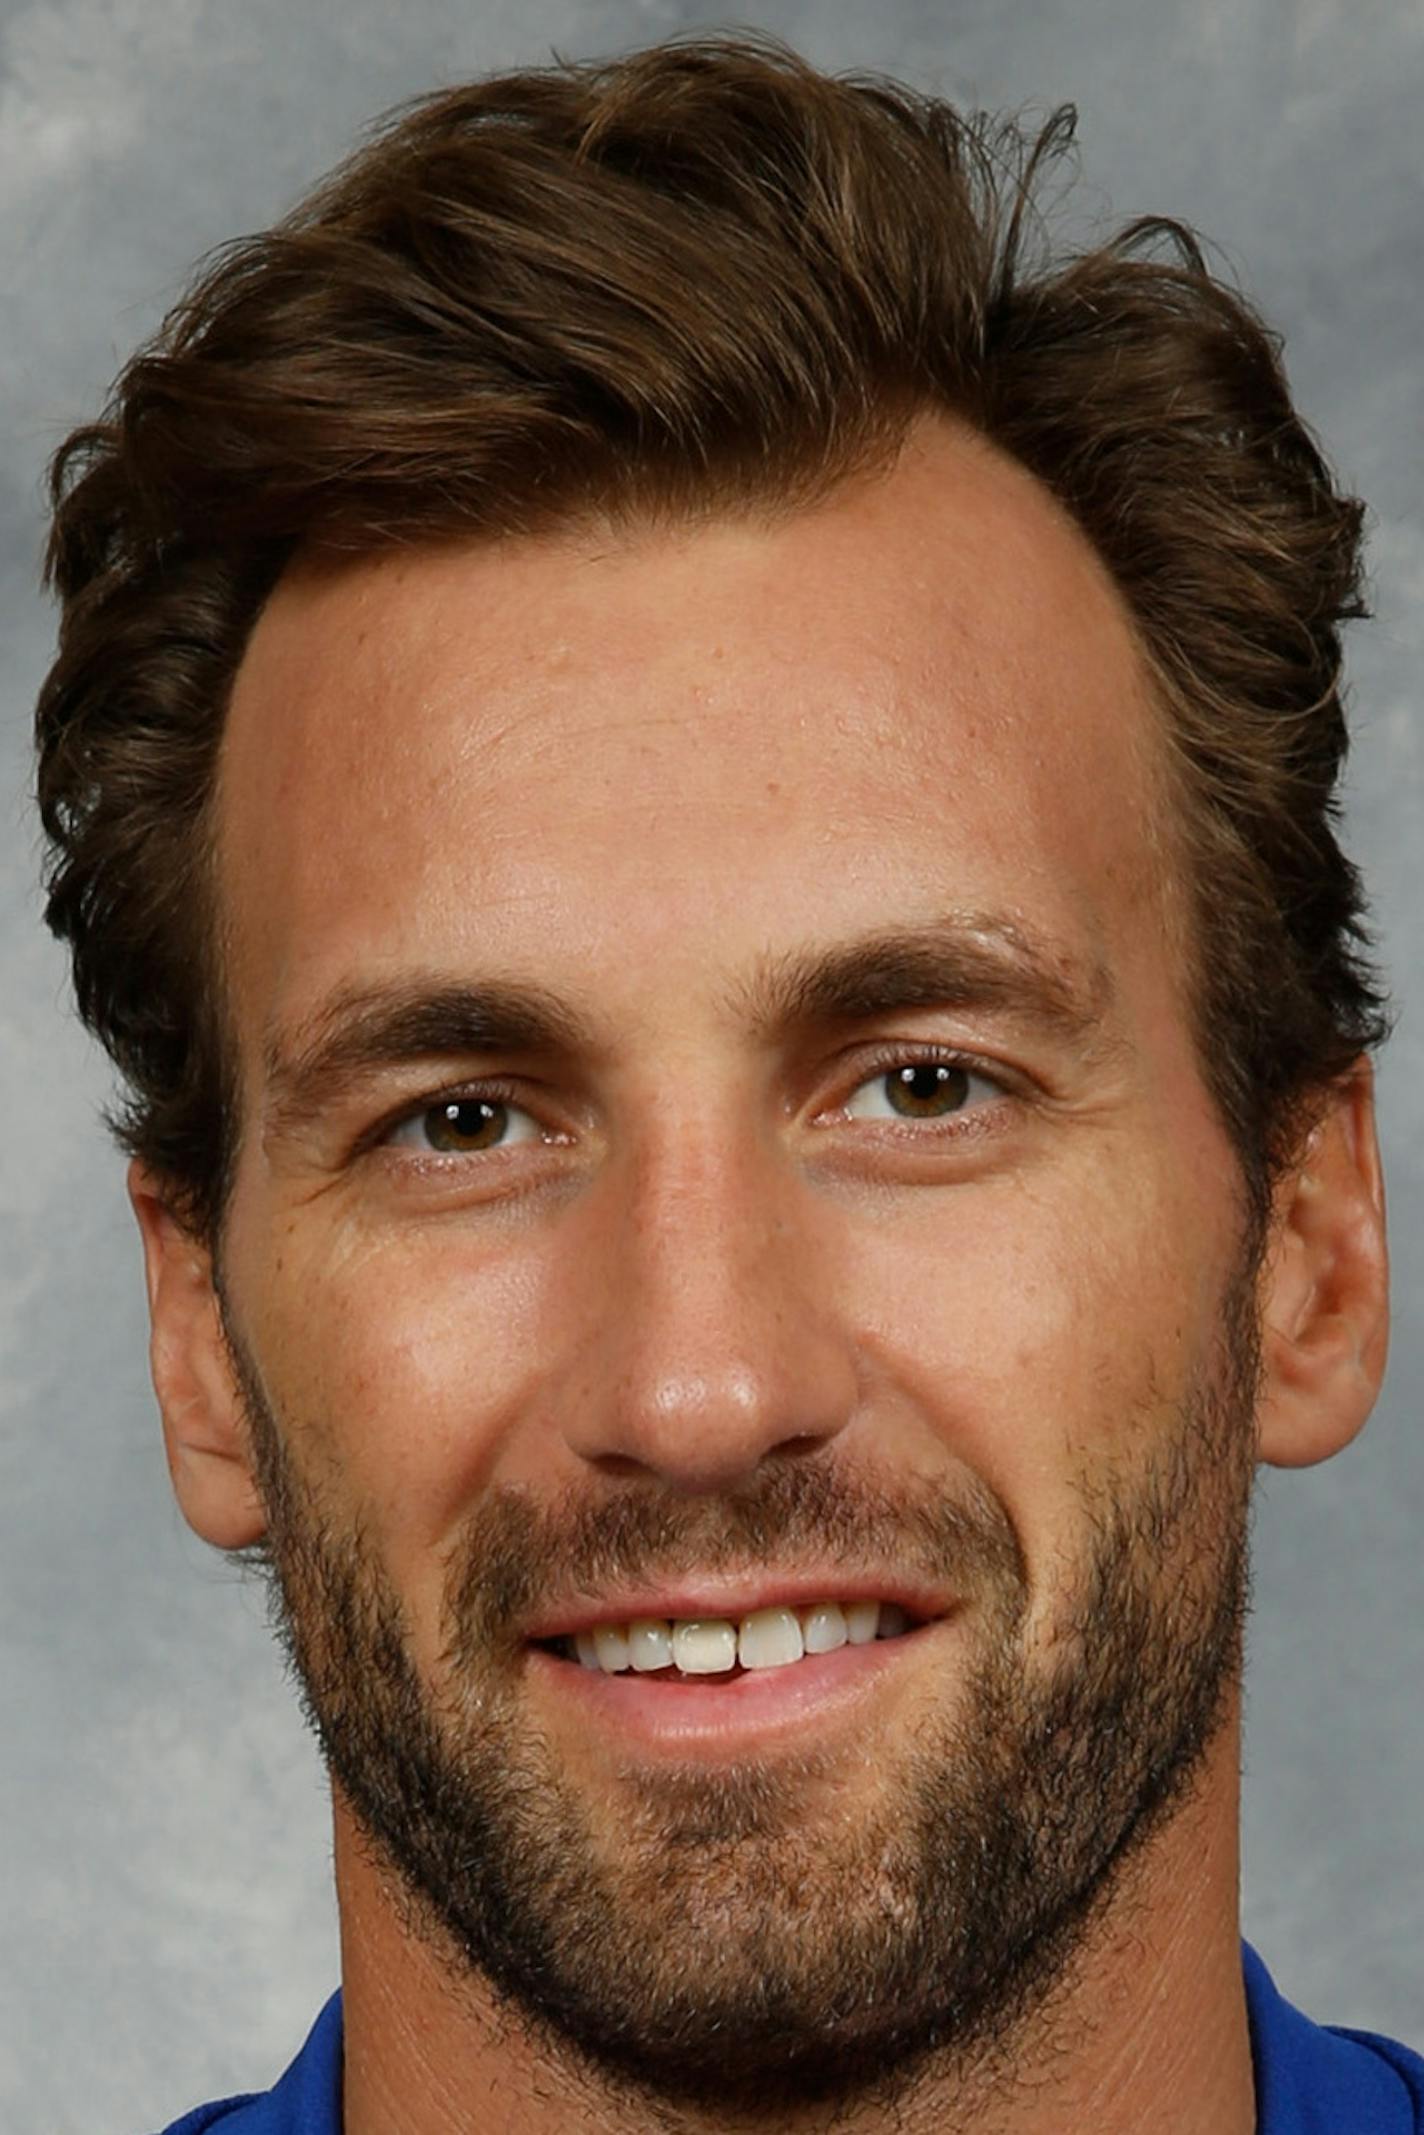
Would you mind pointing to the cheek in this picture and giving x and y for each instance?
(1040, 1337)
(398, 1371)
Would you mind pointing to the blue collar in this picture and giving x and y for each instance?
(1309, 2080)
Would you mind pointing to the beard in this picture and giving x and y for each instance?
(740, 1941)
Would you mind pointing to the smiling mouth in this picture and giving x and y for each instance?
(683, 1649)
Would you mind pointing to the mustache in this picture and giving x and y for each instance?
(517, 1552)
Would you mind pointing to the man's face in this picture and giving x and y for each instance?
(721, 1135)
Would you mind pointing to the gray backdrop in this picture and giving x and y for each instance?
(167, 1924)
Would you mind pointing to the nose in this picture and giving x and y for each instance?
(713, 1344)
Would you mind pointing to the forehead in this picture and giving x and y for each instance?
(629, 758)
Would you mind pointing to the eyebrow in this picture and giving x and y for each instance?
(969, 961)
(362, 1031)
(972, 960)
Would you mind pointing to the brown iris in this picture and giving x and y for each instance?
(927, 1089)
(464, 1123)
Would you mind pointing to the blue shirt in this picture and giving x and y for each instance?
(1309, 2080)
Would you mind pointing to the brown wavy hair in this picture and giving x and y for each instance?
(699, 279)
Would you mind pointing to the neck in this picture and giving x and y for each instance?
(1148, 2029)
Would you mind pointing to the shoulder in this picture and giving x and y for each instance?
(224, 2111)
(307, 2100)
(1313, 2079)
(1406, 2063)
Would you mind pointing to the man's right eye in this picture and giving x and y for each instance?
(463, 1126)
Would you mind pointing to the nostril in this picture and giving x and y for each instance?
(621, 1467)
(803, 1442)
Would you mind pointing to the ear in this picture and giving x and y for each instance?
(204, 1427)
(1325, 1288)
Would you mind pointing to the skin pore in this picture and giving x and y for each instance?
(720, 1113)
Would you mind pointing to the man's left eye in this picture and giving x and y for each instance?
(920, 1089)
(461, 1126)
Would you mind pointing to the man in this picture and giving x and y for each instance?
(695, 796)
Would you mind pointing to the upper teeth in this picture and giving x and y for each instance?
(710, 1645)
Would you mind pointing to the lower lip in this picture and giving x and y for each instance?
(747, 1711)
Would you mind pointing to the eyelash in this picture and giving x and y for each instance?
(895, 1057)
(880, 1064)
(492, 1093)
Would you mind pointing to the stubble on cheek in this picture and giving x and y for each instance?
(838, 1941)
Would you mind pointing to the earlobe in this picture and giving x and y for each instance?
(1325, 1290)
(204, 1428)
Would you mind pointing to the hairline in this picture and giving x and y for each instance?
(1168, 824)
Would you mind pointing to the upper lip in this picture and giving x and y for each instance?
(734, 1595)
